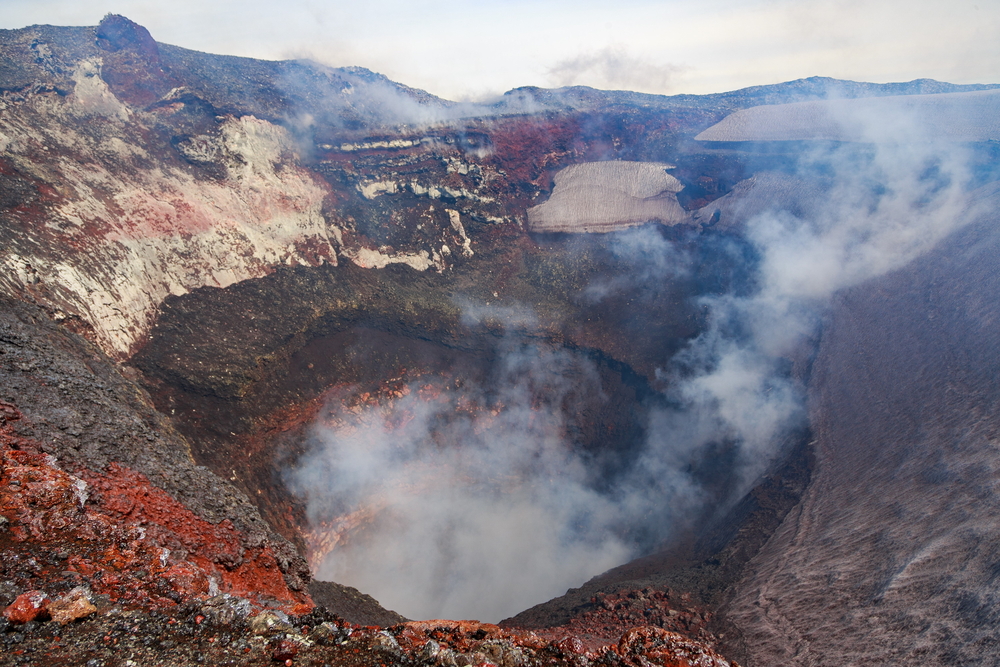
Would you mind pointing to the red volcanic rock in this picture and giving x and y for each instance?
(615, 614)
(453, 626)
(8, 412)
(124, 537)
(285, 649)
(530, 152)
(27, 607)
(646, 645)
(572, 645)
(131, 64)
(469, 642)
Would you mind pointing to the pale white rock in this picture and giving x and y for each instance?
(372, 190)
(457, 167)
(374, 259)
(200, 148)
(378, 188)
(456, 223)
(80, 490)
(606, 196)
(92, 94)
(419, 190)
(374, 145)
(462, 193)
(140, 232)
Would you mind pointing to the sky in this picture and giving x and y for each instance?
(472, 49)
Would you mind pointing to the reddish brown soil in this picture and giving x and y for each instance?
(119, 534)
(615, 614)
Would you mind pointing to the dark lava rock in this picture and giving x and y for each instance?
(226, 610)
(116, 32)
(351, 604)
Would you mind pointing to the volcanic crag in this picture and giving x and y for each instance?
(208, 260)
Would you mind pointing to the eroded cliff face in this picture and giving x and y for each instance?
(141, 227)
(119, 195)
(99, 490)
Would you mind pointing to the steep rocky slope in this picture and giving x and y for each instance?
(891, 555)
(85, 454)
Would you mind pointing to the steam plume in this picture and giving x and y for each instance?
(871, 208)
(614, 69)
(478, 507)
(472, 502)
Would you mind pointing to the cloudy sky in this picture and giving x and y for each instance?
(475, 48)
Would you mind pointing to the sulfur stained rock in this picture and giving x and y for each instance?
(27, 607)
(75, 604)
(269, 623)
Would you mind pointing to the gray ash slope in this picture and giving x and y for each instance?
(892, 555)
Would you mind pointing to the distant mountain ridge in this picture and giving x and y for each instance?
(347, 97)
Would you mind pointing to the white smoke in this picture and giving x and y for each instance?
(880, 205)
(652, 258)
(471, 502)
(614, 68)
(476, 506)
